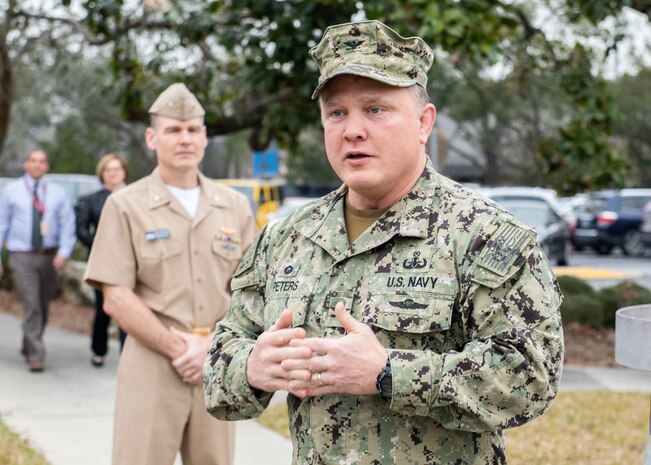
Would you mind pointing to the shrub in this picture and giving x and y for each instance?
(582, 308)
(580, 302)
(621, 295)
(571, 285)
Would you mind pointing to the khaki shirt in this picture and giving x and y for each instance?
(178, 266)
(455, 288)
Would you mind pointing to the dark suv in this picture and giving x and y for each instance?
(615, 224)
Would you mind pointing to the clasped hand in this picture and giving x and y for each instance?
(284, 358)
(189, 365)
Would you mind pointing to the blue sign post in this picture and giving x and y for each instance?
(266, 164)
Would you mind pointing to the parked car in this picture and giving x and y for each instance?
(616, 223)
(645, 227)
(75, 185)
(533, 193)
(585, 233)
(553, 233)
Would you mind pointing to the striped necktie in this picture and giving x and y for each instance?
(37, 217)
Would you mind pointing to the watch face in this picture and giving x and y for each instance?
(386, 384)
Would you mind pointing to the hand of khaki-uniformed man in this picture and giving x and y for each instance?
(263, 369)
(348, 364)
(189, 365)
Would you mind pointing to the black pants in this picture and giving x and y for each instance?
(99, 339)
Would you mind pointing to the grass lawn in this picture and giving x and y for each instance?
(581, 428)
(16, 451)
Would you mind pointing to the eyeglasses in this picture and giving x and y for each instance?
(113, 170)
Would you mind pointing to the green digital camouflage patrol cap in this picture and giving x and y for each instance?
(177, 102)
(373, 50)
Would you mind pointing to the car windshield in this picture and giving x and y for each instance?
(535, 214)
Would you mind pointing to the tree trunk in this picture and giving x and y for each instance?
(6, 76)
(6, 92)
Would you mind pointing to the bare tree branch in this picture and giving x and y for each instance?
(92, 39)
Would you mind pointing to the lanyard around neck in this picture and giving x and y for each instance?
(36, 200)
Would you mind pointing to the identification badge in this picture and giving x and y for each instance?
(45, 228)
(157, 234)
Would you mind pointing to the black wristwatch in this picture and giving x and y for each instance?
(384, 381)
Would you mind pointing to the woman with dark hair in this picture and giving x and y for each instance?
(112, 171)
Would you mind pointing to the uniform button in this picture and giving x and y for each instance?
(156, 198)
(289, 269)
(199, 279)
(196, 252)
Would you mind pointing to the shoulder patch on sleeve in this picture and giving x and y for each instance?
(504, 247)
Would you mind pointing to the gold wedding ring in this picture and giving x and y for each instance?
(319, 380)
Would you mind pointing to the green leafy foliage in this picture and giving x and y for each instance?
(580, 302)
(621, 295)
(572, 285)
(583, 309)
(581, 158)
(248, 62)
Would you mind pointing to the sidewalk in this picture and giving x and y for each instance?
(66, 412)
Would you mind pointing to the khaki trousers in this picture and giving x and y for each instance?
(157, 415)
(36, 282)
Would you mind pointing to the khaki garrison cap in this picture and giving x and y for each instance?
(177, 102)
(373, 50)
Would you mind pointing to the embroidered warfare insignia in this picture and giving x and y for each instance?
(415, 262)
(408, 304)
(504, 248)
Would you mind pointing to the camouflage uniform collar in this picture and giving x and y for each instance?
(409, 217)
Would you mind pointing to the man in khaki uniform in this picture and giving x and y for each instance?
(164, 253)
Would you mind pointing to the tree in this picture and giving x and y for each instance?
(631, 92)
(247, 60)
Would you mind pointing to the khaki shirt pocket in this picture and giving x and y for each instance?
(227, 250)
(157, 260)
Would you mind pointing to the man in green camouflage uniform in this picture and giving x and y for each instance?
(410, 319)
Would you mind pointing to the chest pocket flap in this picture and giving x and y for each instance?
(412, 303)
